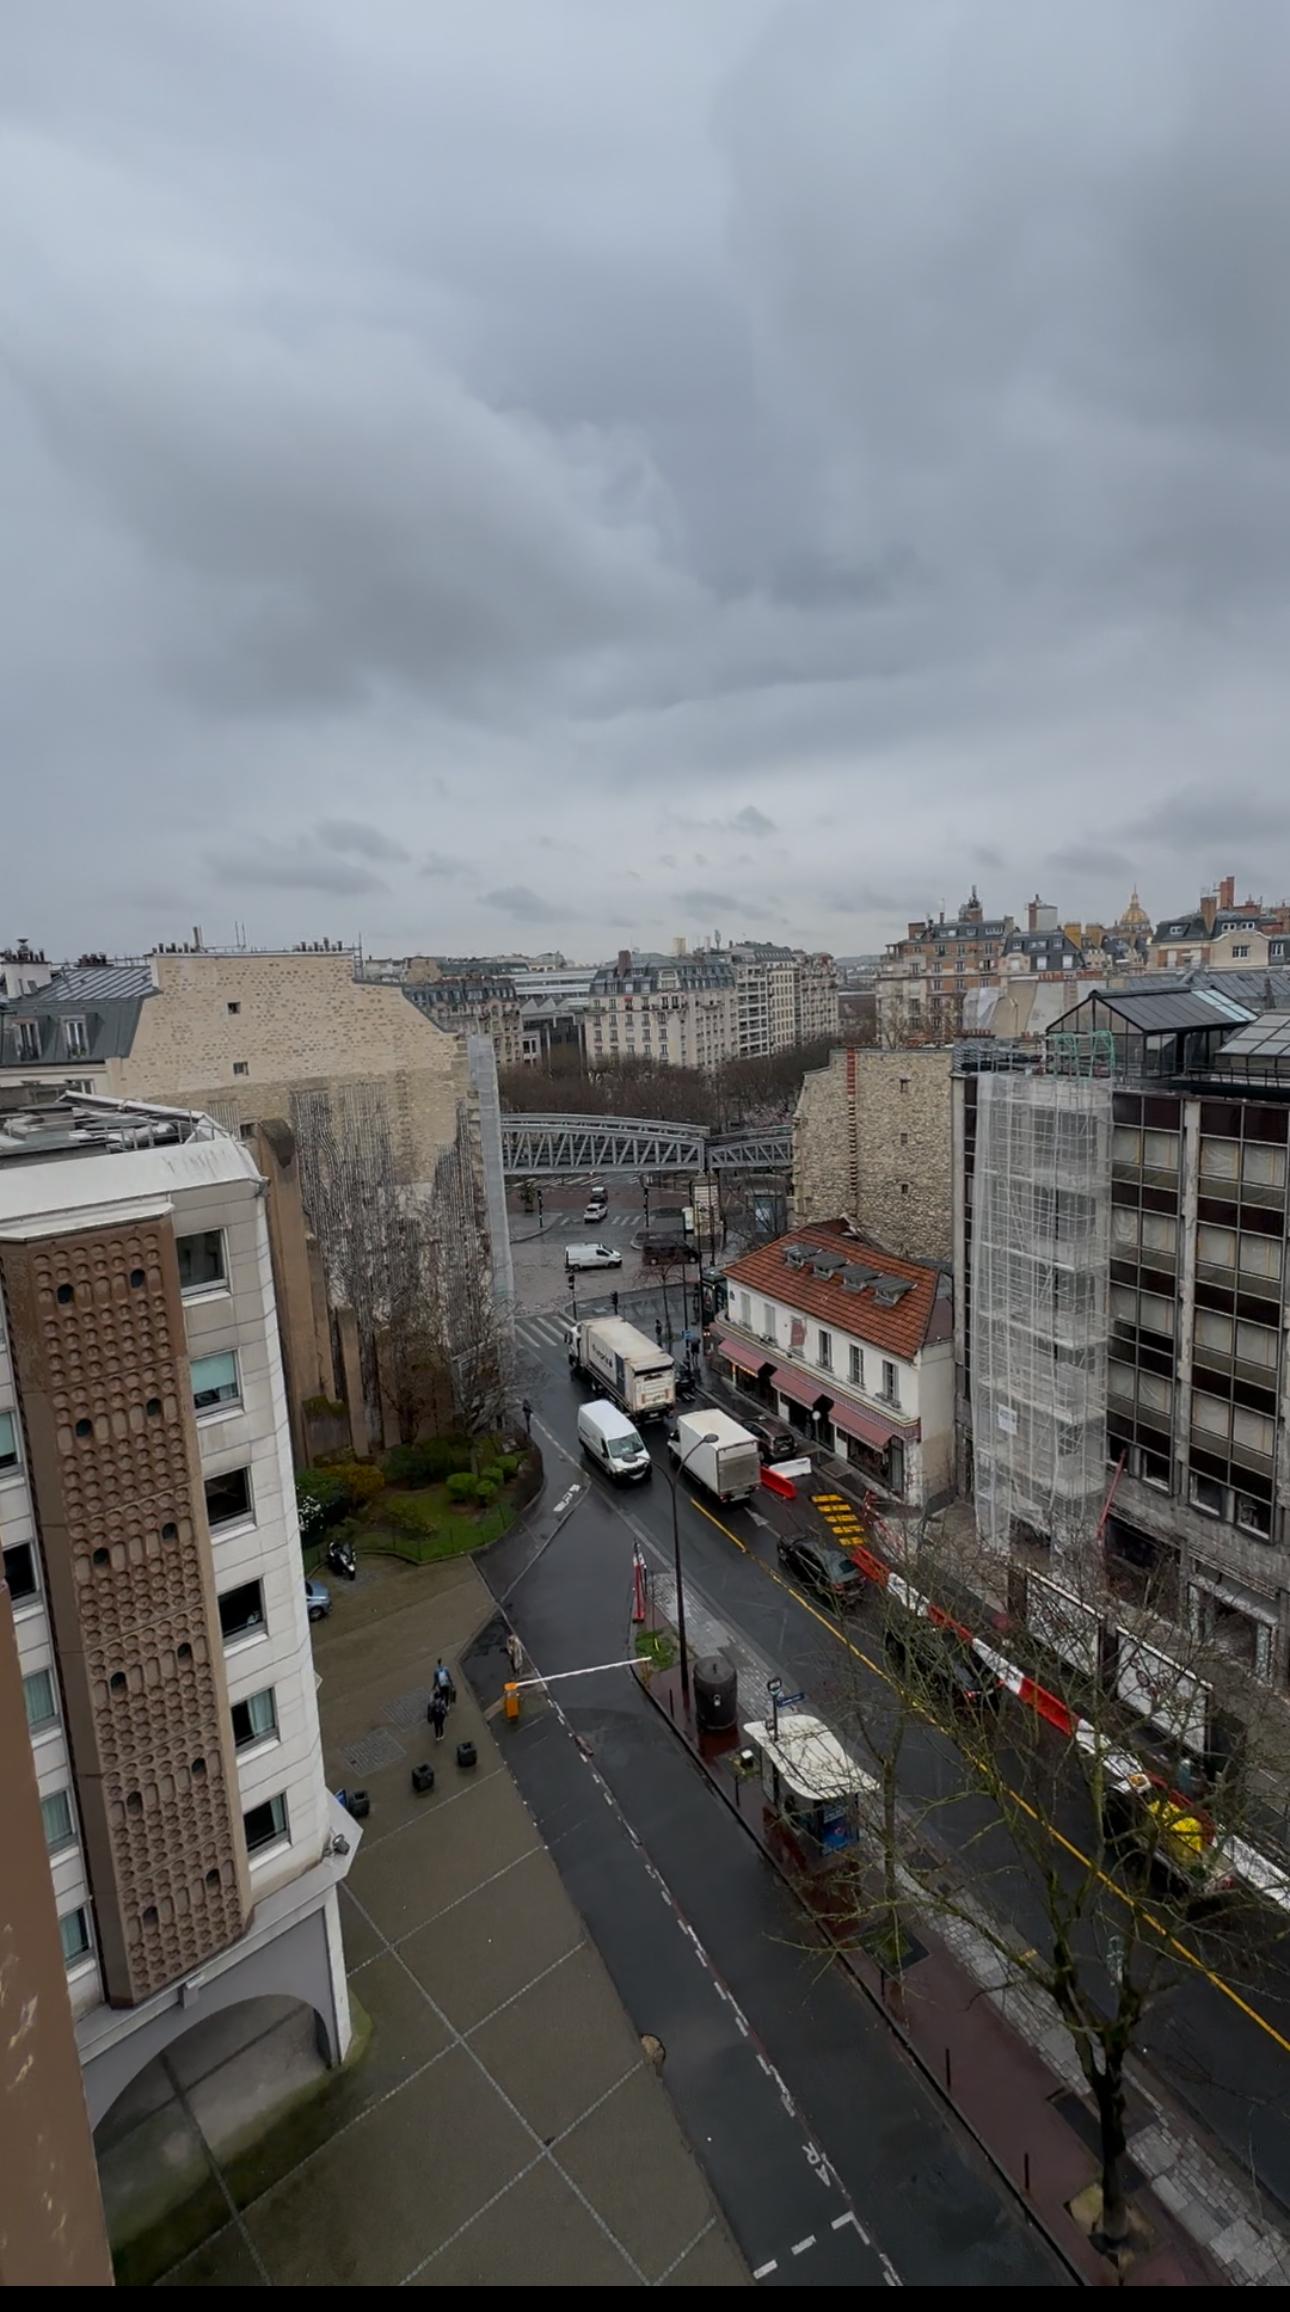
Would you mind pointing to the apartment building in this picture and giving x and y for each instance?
(853, 1348)
(1121, 1217)
(24, 970)
(152, 1555)
(926, 977)
(470, 999)
(783, 997)
(1221, 933)
(679, 1010)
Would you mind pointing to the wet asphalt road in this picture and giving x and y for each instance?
(1225, 2066)
(806, 2066)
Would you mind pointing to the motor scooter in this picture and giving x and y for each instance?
(342, 1557)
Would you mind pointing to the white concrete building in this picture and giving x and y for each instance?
(152, 1552)
(855, 1349)
(679, 1010)
(783, 997)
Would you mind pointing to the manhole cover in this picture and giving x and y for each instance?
(372, 1750)
(409, 1709)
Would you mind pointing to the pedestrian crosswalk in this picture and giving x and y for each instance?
(547, 1332)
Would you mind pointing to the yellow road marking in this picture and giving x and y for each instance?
(1059, 1837)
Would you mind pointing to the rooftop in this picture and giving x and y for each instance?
(61, 1159)
(831, 1273)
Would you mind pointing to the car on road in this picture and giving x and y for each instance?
(937, 1660)
(825, 1569)
(317, 1598)
(595, 1208)
(775, 1442)
(591, 1256)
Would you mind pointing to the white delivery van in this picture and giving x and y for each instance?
(591, 1256)
(623, 1365)
(613, 1441)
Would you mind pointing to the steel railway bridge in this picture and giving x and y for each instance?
(545, 1147)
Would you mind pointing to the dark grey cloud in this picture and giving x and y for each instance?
(282, 867)
(705, 903)
(524, 905)
(557, 474)
(441, 867)
(1083, 862)
(356, 835)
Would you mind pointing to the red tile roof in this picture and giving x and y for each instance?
(901, 1330)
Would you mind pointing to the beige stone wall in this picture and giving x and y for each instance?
(301, 1023)
(871, 1139)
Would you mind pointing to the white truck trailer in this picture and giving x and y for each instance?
(625, 1365)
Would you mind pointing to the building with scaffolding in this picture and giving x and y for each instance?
(1123, 1396)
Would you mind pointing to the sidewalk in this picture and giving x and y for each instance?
(506, 2127)
(997, 2049)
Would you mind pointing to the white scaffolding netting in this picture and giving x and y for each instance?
(1040, 1251)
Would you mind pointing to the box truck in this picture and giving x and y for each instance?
(628, 1367)
(718, 1453)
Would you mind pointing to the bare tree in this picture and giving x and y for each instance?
(1164, 1823)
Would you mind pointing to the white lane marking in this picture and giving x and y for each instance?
(564, 1501)
(851, 2218)
(889, 2272)
(800, 2247)
(763, 2269)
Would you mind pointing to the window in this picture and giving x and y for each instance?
(8, 1444)
(1160, 1151)
(234, 1009)
(1212, 1414)
(745, 1308)
(1219, 1159)
(241, 1611)
(1156, 1395)
(1213, 1331)
(904, 1083)
(264, 1825)
(1126, 1146)
(1209, 1495)
(1255, 1516)
(42, 1705)
(255, 1719)
(856, 1367)
(904, 1139)
(78, 1083)
(20, 1572)
(74, 1935)
(201, 1260)
(241, 1068)
(824, 1351)
(228, 1498)
(890, 1385)
(1216, 1245)
(1257, 1345)
(75, 1040)
(1154, 1469)
(215, 1382)
(56, 1814)
(1159, 1233)
(28, 1040)
(768, 1320)
(1124, 1227)
(1241, 950)
(1253, 1432)
(1263, 1167)
(1156, 1315)
(1261, 1257)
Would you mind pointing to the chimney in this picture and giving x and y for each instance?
(1208, 910)
(1227, 891)
(624, 962)
(1032, 914)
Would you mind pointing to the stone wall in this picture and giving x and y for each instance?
(871, 1139)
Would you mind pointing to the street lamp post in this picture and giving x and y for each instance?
(674, 1476)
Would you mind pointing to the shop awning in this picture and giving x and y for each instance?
(745, 1354)
(799, 1386)
(870, 1428)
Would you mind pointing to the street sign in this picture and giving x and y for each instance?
(774, 1685)
(785, 1699)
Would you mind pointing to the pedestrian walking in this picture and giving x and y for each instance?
(527, 1410)
(443, 1683)
(515, 1652)
(438, 1713)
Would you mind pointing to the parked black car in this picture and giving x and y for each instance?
(941, 1661)
(827, 1570)
(774, 1441)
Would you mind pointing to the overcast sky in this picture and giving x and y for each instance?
(533, 473)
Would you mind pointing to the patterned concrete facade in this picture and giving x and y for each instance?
(871, 1139)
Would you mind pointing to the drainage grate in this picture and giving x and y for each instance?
(409, 1709)
(378, 1748)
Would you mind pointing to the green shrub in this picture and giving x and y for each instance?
(361, 1483)
(429, 1463)
(494, 1472)
(485, 1491)
(461, 1486)
(511, 1464)
(323, 1408)
(406, 1516)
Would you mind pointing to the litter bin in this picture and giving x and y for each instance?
(716, 1693)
